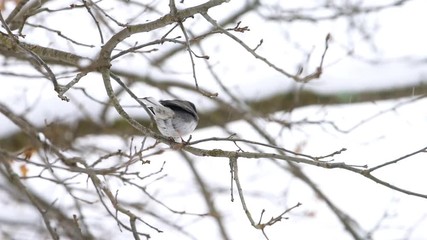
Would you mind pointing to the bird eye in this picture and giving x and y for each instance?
(152, 110)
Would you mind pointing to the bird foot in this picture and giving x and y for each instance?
(179, 145)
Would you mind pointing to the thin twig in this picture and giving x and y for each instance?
(40, 61)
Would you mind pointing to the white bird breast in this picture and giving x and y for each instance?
(175, 127)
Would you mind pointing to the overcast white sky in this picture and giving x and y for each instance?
(398, 41)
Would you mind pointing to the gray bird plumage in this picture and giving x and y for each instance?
(174, 118)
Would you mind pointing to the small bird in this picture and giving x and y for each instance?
(174, 118)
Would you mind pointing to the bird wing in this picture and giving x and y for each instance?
(181, 105)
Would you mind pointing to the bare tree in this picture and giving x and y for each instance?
(101, 171)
